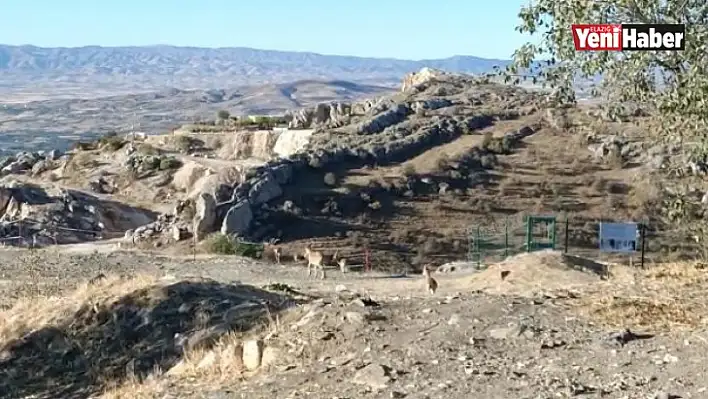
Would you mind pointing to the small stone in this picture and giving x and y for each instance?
(355, 317)
(375, 376)
(176, 233)
(501, 333)
(252, 354)
(454, 320)
(669, 358)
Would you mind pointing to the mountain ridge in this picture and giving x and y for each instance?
(198, 67)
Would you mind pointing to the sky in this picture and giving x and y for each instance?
(412, 29)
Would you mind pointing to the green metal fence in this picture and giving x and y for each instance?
(499, 238)
(522, 233)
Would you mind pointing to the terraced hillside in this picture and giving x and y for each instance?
(409, 176)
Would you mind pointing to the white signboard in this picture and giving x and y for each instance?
(618, 237)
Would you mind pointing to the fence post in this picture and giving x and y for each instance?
(194, 246)
(506, 237)
(643, 233)
(529, 233)
(478, 246)
(567, 231)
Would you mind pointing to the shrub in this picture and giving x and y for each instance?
(408, 170)
(168, 163)
(183, 143)
(111, 141)
(431, 246)
(488, 161)
(443, 163)
(330, 179)
(487, 140)
(147, 149)
(227, 245)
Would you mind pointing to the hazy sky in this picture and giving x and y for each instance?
(411, 29)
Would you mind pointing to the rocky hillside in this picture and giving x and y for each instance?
(407, 175)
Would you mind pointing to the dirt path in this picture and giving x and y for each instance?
(218, 163)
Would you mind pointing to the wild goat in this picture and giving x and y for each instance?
(342, 263)
(315, 259)
(276, 254)
(270, 247)
(430, 284)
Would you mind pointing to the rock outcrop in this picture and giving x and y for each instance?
(331, 115)
(426, 74)
(377, 132)
(31, 162)
(205, 215)
(57, 216)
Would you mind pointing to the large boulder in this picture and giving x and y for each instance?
(323, 114)
(424, 75)
(238, 219)
(378, 123)
(264, 189)
(5, 197)
(205, 215)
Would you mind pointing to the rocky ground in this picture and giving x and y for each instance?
(546, 330)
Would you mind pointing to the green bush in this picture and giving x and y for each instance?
(168, 163)
(487, 140)
(184, 143)
(112, 141)
(408, 170)
(226, 245)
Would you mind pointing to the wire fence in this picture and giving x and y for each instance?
(31, 233)
(489, 243)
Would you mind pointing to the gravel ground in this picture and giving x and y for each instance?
(456, 344)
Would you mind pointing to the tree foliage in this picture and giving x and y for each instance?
(673, 85)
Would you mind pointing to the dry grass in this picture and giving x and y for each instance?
(114, 336)
(668, 297)
(33, 313)
(219, 365)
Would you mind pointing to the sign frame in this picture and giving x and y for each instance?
(616, 237)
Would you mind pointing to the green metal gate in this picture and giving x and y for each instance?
(540, 233)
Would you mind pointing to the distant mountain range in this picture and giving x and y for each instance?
(56, 122)
(200, 68)
(51, 96)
